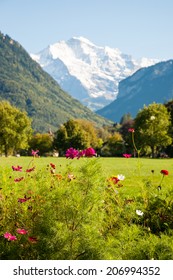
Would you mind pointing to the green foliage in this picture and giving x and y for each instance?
(74, 210)
(24, 84)
(41, 142)
(114, 145)
(152, 126)
(15, 128)
(78, 134)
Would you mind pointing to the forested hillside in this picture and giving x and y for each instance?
(24, 84)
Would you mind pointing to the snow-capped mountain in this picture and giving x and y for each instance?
(88, 72)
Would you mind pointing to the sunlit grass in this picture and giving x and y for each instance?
(70, 207)
(137, 171)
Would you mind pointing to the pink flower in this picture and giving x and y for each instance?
(18, 179)
(34, 153)
(17, 168)
(131, 130)
(127, 155)
(90, 152)
(71, 153)
(164, 172)
(81, 153)
(9, 236)
(32, 239)
(21, 200)
(12, 238)
(21, 231)
(71, 177)
(30, 170)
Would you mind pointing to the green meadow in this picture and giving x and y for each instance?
(87, 208)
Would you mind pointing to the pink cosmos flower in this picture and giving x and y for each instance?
(34, 153)
(9, 236)
(131, 130)
(81, 153)
(32, 239)
(18, 179)
(71, 177)
(71, 153)
(127, 155)
(30, 169)
(17, 168)
(21, 231)
(12, 238)
(21, 200)
(90, 152)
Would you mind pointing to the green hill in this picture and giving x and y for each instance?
(24, 84)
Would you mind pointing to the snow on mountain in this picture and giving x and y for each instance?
(88, 72)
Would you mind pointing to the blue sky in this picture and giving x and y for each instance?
(142, 28)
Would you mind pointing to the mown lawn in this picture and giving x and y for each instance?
(135, 170)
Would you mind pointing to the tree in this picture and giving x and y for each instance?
(70, 134)
(125, 118)
(91, 133)
(15, 128)
(41, 142)
(79, 134)
(152, 126)
(113, 146)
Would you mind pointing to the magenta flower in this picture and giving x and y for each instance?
(21, 200)
(32, 239)
(81, 154)
(131, 130)
(17, 168)
(127, 155)
(9, 236)
(18, 179)
(71, 153)
(34, 153)
(30, 169)
(90, 152)
(21, 231)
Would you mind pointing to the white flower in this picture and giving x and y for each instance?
(152, 118)
(120, 177)
(139, 213)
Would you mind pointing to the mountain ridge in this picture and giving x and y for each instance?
(145, 86)
(88, 72)
(27, 86)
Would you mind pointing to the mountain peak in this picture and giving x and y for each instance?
(82, 40)
(90, 73)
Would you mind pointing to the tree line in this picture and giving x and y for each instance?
(152, 128)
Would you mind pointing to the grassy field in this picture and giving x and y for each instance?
(135, 170)
(72, 209)
(142, 166)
